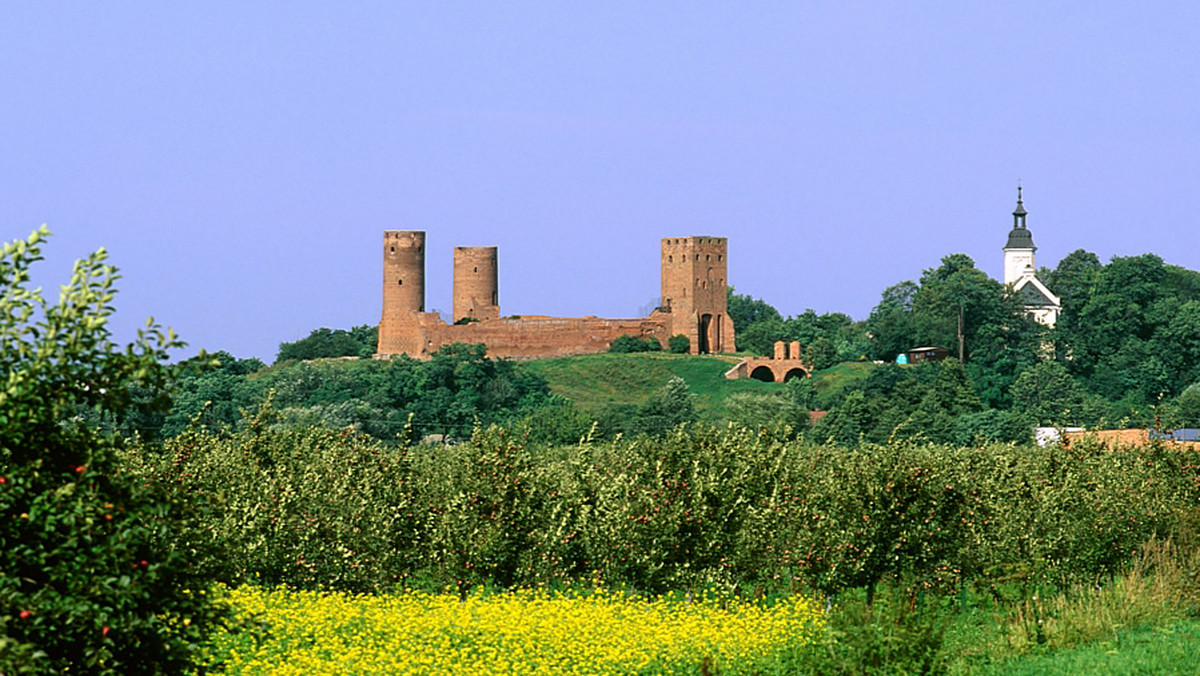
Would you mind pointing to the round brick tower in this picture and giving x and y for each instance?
(476, 283)
(403, 289)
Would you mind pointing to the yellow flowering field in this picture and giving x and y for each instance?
(525, 632)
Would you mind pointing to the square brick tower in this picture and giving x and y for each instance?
(693, 291)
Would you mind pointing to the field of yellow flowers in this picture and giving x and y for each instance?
(524, 632)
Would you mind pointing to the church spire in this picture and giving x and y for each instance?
(1019, 237)
(1019, 214)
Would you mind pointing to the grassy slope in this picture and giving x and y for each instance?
(598, 380)
(1147, 650)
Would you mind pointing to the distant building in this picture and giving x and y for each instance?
(1020, 271)
(693, 305)
(920, 354)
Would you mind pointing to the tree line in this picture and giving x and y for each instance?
(1125, 350)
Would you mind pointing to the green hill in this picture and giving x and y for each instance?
(598, 380)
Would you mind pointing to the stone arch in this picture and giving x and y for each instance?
(763, 373)
(795, 373)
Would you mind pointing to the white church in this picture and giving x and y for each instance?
(1020, 271)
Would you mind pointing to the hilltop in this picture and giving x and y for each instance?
(596, 381)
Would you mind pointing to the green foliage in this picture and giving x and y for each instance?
(1131, 650)
(991, 426)
(745, 310)
(1130, 328)
(87, 583)
(693, 508)
(214, 387)
(782, 411)
(562, 423)
(822, 353)
(1049, 394)
(934, 402)
(603, 384)
(885, 635)
(760, 337)
(999, 339)
(802, 392)
(309, 507)
(827, 338)
(679, 344)
(1184, 411)
(1074, 281)
(627, 344)
(891, 323)
(359, 341)
(447, 394)
(766, 411)
(670, 407)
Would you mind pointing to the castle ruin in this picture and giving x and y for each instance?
(693, 305)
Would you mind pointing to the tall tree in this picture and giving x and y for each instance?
(745, 310)
(1048, 394)
(891, 324)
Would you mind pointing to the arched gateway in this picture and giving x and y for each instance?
(788, 363)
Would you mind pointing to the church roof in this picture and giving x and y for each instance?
(1031, 296)
(1033, 293)
(1020, 238)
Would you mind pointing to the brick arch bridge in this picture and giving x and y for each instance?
(787, 363)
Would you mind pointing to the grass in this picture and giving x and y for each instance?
(1142, 621)
(599, 380)
(1174, 649)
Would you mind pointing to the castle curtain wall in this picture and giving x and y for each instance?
(694, 299)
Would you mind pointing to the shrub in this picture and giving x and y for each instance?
(86, 581)
(323, 343)
(626, 344)
(766, 411)
(309, 507)
(679, 344)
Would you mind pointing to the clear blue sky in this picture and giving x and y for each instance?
(240, 160)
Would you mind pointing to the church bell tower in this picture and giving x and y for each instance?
(1019, 258)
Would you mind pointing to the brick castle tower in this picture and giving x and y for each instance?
(475, 283)
(403, 291)
(693, 291)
